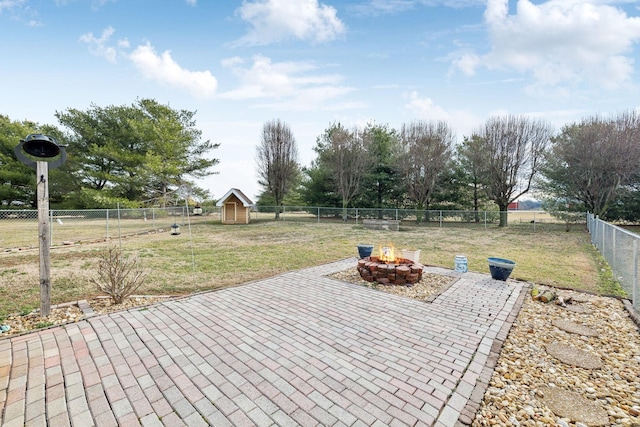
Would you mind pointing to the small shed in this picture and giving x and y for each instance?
(235, 207)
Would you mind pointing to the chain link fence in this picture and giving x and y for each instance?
(619, 247)
(19, 229)
(438, 218)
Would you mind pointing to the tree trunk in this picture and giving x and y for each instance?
(476, 206)
(503, 215)
(419, 213)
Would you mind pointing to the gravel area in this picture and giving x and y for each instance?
(525, 369)
(429, 286)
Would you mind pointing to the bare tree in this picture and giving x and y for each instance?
(425, 150)
(514, 147)
(277, 159)
(344, 152)
(590, 161)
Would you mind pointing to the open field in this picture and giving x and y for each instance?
(19, 229)
(213, 256)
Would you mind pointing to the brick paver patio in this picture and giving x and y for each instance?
(298, 349)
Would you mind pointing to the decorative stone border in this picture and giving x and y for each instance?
(469, 411)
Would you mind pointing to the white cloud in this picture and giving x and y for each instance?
(162, 68)
(461, 121)
(559, 42)
(10, 4)
(377, 7)
(280, 20)
(285, 84)
(95, 4)
(385, 7)
(468, 62)
(425, 107)
(99, 45)
(158, 67)
(232, 62)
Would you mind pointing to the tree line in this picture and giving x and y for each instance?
(590, 165)
(131, 155)
(144, 153)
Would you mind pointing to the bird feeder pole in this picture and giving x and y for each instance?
(42, 152)
(42, 173)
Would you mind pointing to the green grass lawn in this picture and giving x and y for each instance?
(212, 256)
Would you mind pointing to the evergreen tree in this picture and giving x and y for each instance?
(382, 185)
(17, 181)
(133, 153)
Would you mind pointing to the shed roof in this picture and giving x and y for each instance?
(246, 202)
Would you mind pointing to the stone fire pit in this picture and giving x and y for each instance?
(401, 271)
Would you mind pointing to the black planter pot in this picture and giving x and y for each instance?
(500, 268)
(365, 250)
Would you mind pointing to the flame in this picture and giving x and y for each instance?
(387, 253)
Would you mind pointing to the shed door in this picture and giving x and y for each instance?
(230, 212)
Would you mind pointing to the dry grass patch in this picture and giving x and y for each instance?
(212, 256)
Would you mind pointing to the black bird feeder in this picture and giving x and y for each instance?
(40, 148)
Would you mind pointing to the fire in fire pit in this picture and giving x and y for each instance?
(388, 269)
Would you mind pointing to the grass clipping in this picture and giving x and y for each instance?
(119, 276)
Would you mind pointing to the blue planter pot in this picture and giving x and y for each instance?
(500, 268)
(365, 250)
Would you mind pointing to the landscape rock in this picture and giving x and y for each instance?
(524, 368)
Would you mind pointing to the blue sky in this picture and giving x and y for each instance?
(310, 63)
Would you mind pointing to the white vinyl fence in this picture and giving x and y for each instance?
(619, 247)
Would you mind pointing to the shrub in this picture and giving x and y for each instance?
(564, 211)
(118, 276)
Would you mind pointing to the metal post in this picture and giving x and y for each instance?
(534, 222)
(119, 228)
(613, 254)
(356, 216)
(42, 175)
(318, 215)
(50, 227)
(107, 238)
(635, 296)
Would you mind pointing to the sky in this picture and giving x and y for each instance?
(312, 63)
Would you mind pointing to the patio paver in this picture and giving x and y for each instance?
(295, 349)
